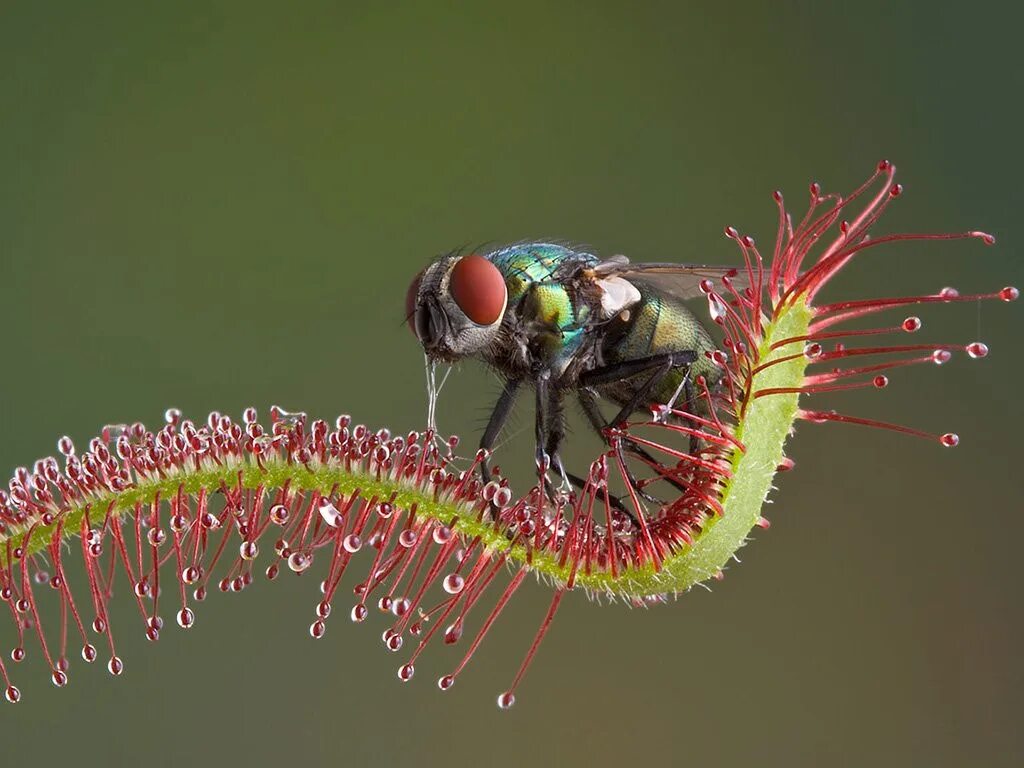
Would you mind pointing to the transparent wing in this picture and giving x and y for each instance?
(679, 280)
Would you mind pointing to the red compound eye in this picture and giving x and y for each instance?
(478, 288)
(410, 300)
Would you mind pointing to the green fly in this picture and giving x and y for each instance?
(567, 323)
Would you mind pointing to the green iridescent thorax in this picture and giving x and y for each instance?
(536, 293)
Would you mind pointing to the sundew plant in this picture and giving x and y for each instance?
(434, 551)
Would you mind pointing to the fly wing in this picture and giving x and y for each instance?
(680, 280)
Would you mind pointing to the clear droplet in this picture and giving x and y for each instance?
(442, 534)
(248, 550)
(330, 513)
(279, 514)
(299, 561)
(453, 583)
(401, 606)
(977, 349)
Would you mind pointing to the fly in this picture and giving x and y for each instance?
(568, 324)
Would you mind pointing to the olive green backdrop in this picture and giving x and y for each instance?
(210, 206)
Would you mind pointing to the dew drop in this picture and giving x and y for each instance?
(401, 606)
(190, 575)
(12, 694)
(506, 700)
(115, 666)
(89, 653)
(1009, 293)
(59, 678)
(503, 497)
(279, 514)
(950, 439)
(99, 626)
(405, 672)
(453, 583)
(912, 324)
(299, 561)
(445, 682)
(489, 490)
(358, 613)
(453, 633)
(716, 307)
(352, 543)
(186, 618)
(949, 293)
(881, 381)
(330, 513)
(407, 538)
(317, 629)
(323, 609)
(393, 641)
(977, 349)
(442, 534)
(248, 550)
(941, 356)
(385, 510)
(156, 536)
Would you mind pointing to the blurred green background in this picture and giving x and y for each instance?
(212, 206)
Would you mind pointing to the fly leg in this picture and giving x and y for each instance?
(685, 389)
(588, 401)
(555, 414)
(555, 435)
(549, 431)
(659, 366)
(499, 416)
